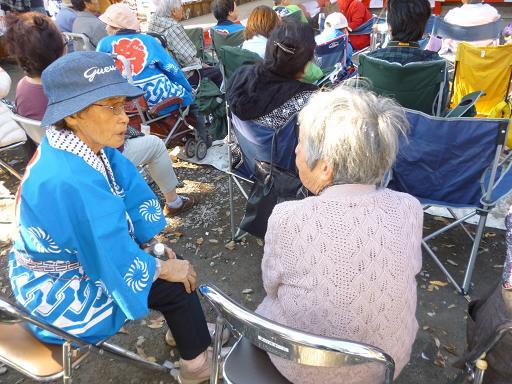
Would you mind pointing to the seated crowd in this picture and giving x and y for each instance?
(339, 263)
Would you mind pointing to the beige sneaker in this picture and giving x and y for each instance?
(169, 338)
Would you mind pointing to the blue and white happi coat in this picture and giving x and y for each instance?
(76, 262)
(151, 66)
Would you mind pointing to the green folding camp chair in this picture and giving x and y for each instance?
(231, 58)
(420, 86)
(197, 37)
(416, 86)
(234, 39)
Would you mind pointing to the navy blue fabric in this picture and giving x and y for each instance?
(367, 27)
(331, 53)
(446, 30)
(444, 159)
(504, 187)
(255, 142)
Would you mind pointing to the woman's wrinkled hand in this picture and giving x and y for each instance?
(179, 271)
(169, 253)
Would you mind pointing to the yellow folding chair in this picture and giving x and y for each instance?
(487, 69)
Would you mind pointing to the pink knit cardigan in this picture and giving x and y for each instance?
(343, 264)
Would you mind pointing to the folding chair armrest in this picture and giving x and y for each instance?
(192, 68)
(466, 103)
(492, 340)
(156, 109)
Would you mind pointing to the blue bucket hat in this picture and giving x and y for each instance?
(79, 79)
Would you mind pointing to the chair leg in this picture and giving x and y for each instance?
(231, 207)
(480, 368)
(10, 169)
(217, 348)
(474, 251)
(441, 266)
(66, 362)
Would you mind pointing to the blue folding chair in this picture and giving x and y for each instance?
(444, 30)
(255, 143)
(332, 52)
(377, 35)
(454, 163)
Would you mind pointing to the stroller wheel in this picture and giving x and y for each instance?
(201, 149)
(190, 148)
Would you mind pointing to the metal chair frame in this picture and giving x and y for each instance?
(13, 312)
(32, 127)
(285, 342)
(475, 364)
(5, 165)
(80, 38)
(236, 233)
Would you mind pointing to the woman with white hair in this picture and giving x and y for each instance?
(342, 263)
(165, 22)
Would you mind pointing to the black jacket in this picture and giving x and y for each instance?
(254, 91)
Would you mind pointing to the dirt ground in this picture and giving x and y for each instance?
(201, 236)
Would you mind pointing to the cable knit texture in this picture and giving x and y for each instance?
(343, 264)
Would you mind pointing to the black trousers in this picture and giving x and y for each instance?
(184, 316)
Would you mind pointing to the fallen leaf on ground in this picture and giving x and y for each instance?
(247, 291)
(489, 234)
(451, 306)
(438, 283)
(140, 341)
(213, 241)
(156, 324)
(231, 245)
(177, 234)
(200, 241)
(440, 361)
(437, 342)
(450, 348)
(260, 242)
(141, 353)
(124, 331)
(452, 262)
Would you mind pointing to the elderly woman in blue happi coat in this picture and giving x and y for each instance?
(86, 221)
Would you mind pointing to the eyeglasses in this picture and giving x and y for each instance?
(116, 109)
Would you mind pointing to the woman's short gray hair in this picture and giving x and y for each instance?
(354, 131)
(165, 7)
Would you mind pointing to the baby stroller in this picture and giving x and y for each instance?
(174, 128)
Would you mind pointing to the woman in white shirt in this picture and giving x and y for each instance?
(260, 23)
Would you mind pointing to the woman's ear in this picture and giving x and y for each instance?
(71, 121)
(326, 172)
